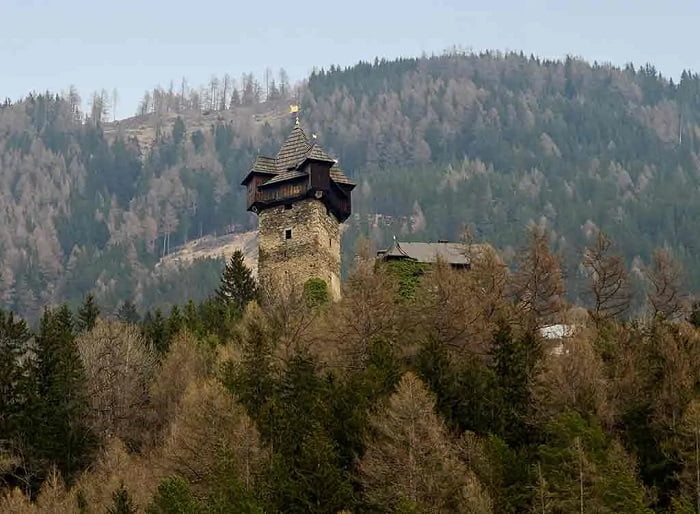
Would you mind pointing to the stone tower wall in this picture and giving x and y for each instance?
(312, 252)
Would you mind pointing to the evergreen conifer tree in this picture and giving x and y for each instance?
(127, 312)
(237, 283)
(306, 474)
(14, 337)
(63, 437)
(175, 322)
(87, 314)
(583, 471)
(174, 497)
(155, 330)
(514, 363)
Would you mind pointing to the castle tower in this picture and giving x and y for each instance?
(301, 197)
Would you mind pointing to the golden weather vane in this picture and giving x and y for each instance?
(294, 109)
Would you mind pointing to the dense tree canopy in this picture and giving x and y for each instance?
(446, 396)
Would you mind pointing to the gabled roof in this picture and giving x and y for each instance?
(451, 253)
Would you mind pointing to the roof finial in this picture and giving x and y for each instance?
(294, 109)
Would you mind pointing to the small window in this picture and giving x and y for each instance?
(330, 242)
(287, 206)
(288, 233)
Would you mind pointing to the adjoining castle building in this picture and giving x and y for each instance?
(456, 255)
(301, 197)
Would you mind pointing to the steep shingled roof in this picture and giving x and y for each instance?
(294, 151)
(317, 153)
(264, 164)
(339, 176)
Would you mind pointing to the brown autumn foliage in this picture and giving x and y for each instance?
(411, 462)
(53, 498)
(460, 309)
(367, 312)
(665, 294)
(573, 376)
(449, 314)
(140, 475)
(689, 438)
(288, 317)
(656, 365)
(537, 283)
(673, 367)
(93, 489)
(608, 285)
(187, 362)
(119, 367)
(211, 426)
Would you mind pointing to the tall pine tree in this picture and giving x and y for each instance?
(237, 283)
(87, 314)
(62, 437)
(127, 313)
(14, 339)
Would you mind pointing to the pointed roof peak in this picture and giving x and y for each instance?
(293, 149)
(296, 149)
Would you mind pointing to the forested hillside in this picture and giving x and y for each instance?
(422, 390)
(490, 141)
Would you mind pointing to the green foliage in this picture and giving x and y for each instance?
(230, 496)
(351, 400)
(174, 497)
(583, 467)
(294, 416)
(408, 274)
(14, 341)
(62, 437)
(477, 412)
(155, 330)
(316, 293)
(514, 364)
(127, 312)
(87, 314)
(237, 283)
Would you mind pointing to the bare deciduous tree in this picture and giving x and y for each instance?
(118, 366)
(665, 277)
(115, 101)
(609, 287)
(538, 284)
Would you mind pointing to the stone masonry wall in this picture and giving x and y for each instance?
(312, 252)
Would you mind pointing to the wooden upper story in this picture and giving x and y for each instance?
(300, 170)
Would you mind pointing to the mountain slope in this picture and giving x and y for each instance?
(435, 144)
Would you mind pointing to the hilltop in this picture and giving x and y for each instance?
(488, 142)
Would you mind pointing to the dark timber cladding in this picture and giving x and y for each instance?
(301, 169)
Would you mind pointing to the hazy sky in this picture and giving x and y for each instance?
(134, 45)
